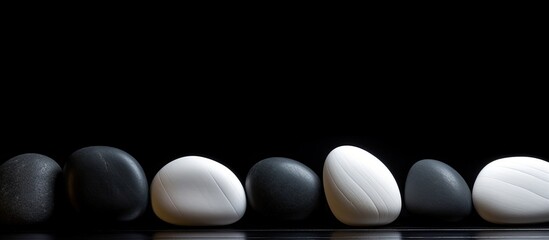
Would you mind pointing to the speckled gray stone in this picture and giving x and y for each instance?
(436, 190)
(283, 188)
(27, 189)
(106, 183)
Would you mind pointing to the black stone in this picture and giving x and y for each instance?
(28, 184)
(436, 190)
(106, 183)
(283, 188)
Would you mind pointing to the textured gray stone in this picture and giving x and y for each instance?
(106, 183)
(436, 190)
(283, 188)
(28, 185)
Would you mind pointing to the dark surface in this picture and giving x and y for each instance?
(434, 189)
(283, 188)
(106, 184)
(29, 185)
(387, 233)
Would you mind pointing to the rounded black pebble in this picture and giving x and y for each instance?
(282, 188)
(106, 183)
(28, 185)
(435, 190)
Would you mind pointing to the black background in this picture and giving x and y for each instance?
(236, 92)
(238, 122)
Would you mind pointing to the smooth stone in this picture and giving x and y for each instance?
(28, 184)
(283, 188)
(434, 189)
(106, 183)
(513, 190)
(359, 188)
(197, 191)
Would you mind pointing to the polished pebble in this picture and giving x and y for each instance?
(436, 190)
(197, 191)
(513, 190)
(359, 188)
(106, 183)
(283, 188)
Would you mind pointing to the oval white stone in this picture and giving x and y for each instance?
(513, 190)
(197, 191)
(360, 189)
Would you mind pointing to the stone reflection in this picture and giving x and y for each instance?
(366, 234)
(74, 236)
(515, 234)
(106, 236)
(200, 235)
(27, 236)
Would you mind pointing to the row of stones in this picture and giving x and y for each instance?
(109, 183)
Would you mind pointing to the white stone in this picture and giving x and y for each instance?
(513, 190)
(197, 191)
(360, 189)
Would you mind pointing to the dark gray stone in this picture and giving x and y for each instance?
(106, 183)
(28, 185)
(283, 188)
(436, 190)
